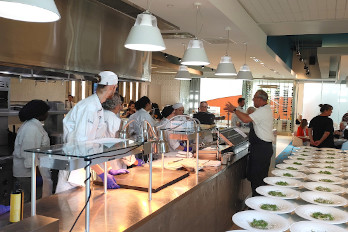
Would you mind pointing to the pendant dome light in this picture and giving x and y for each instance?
(183, 74)
(195, 54)
(38, 11)
(244, 71)
(145, 35)
(226, 67)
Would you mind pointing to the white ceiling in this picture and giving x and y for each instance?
(251, 21)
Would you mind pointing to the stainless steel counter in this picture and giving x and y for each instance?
(197, 203)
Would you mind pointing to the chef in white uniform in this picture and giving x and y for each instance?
(85, 122)
(31, 135)
(112, 107)
(143, 106)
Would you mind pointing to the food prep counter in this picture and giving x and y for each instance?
(203, 202)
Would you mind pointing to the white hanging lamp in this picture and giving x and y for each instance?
(226, 67)
(183, 74)
(195, 54)
(145, 35)
(244, 71)
(38, 11)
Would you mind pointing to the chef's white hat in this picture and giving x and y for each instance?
(177, 106)
(108, 78)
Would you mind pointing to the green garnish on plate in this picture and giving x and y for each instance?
(259, 224)
(329, 167)
(300, 159)
(330, 157)
(325, 172)
(291, 168)
(323, 201)
(269, 207)
(304, 155)
(323, 189)
(329, 162)
(297, 163)
(325, 180)
(283, 183)
(331, 153)
(287, 174)
(322, 216)
(276, 194)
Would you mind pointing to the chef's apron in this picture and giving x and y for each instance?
(259, 160)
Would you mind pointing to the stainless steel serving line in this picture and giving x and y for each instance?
(72, 156)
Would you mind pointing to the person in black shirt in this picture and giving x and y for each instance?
(321, 128)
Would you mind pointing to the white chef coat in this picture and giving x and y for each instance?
(263, 123)
(31, 135)
(173, 144)
(113, 123)
(84, 122)
(235, 118)
(139, 117)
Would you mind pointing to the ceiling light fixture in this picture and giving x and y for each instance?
(244, 71)
(183, 74)
(145, 35)
(226, 66)
(37, 11)
(195, 54)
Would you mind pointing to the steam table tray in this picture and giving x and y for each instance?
(138, 177)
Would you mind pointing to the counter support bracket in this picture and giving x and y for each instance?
(33, 185)
(88, 193)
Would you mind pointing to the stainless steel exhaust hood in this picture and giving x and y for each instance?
(88, 39)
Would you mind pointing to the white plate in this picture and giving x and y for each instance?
(329, 166)
(295, 174)
(297, 162)
(328, 158)
(322, 177)
(275, 222)
(311, 196)
(336, 189)
(325, 171)
(329, 161)
(288, 192)
(289, 181)
(301, 158)
(306, 226)
(283, 205)
(305, 211)
(287, 166)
